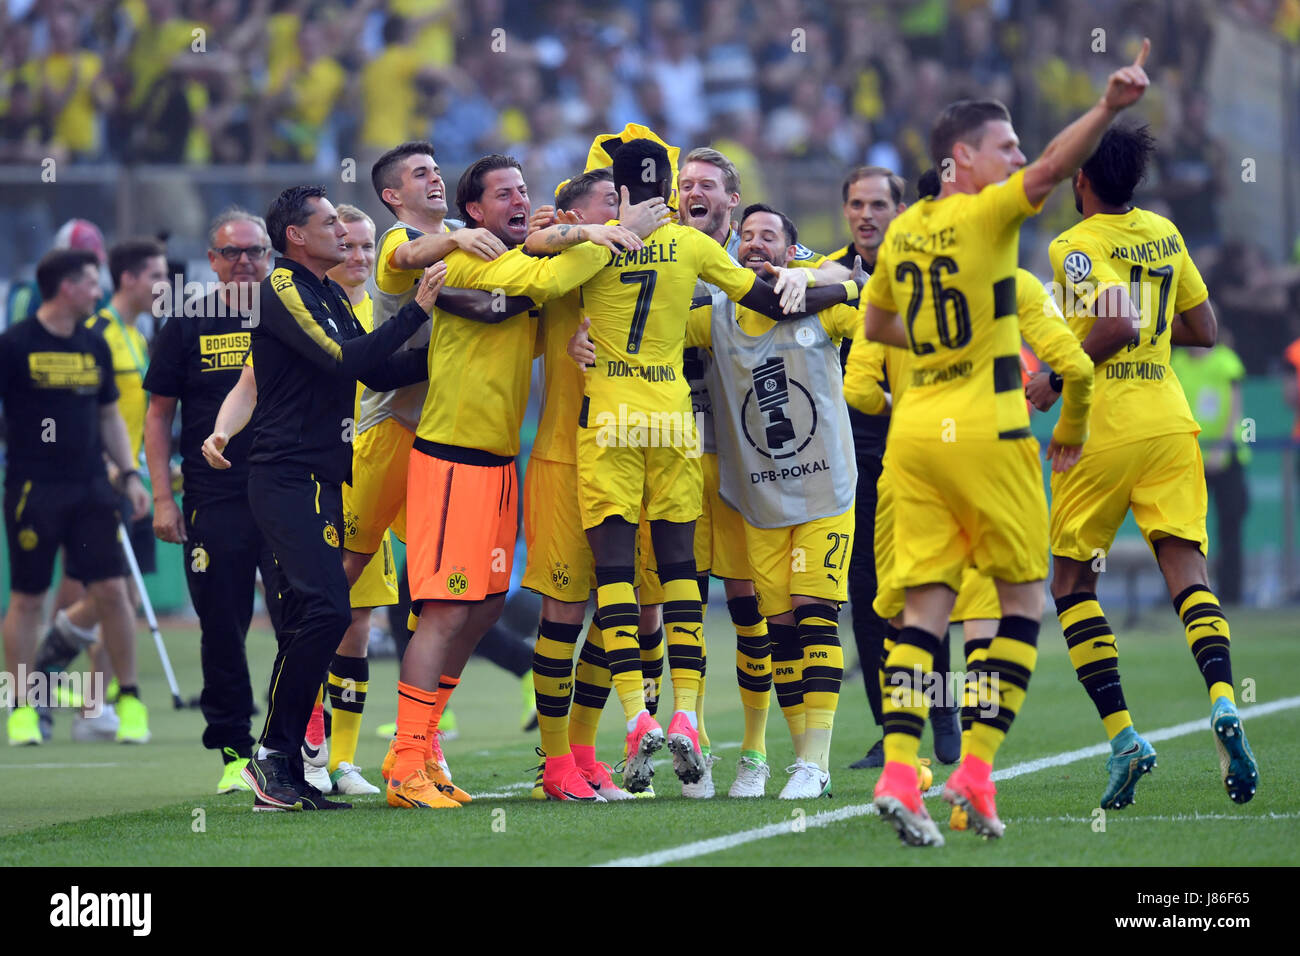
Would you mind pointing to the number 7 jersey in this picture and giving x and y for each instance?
(638, 305)
(1137, 394)
(948, 268)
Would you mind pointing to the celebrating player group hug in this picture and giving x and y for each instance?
(695, 422)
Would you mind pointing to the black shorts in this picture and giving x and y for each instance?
(79, 516)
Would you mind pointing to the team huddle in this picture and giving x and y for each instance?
(698, 370)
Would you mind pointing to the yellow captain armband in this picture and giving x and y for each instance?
(812, 277)
(851, 292)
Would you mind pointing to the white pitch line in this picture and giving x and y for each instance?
(699, 848)
(1174, 818)
(509, 790)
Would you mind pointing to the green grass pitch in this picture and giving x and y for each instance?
(107, 804)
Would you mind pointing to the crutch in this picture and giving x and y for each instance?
(149, 616)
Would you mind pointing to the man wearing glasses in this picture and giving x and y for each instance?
(196, 361)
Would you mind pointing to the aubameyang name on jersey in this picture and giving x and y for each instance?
(790, 471)
(1145, 371)
(1162, 248)
(651, 373)
(940, 241)
(650, 252)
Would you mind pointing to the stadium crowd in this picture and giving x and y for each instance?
(779, 87)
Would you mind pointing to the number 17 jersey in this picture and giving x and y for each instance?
(948, 268)
(1137, 394)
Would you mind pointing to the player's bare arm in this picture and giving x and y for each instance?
(1118, 321)
(478, 305)
(168, 522)
(831, 271)
(885, 327)
(428, 249)
(1198, 327)
(1070, 147)
(117, 445)
(561, 236)
(1040, 392)
(235, 412)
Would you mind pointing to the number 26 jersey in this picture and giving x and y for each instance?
(948, 268)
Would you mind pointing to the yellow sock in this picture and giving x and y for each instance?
(348, 681)
(652, 667)
(553, 683)
(1094, 655)
(976, 651)
(903, 705)
(1005, 674)
(617, 608)
(823, 672)
(591, 684)
(753, 670)
(684, 631)
(1208, 638)
(787, 678)
(887, 646)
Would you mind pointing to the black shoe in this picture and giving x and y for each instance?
(313, 799)
(875, 757)
(946, 724)
(310, 797)
(272, 781)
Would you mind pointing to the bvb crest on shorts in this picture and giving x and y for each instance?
(27, 539)
(350, 524)
(331, 534)
(457, 583)
(560, 575)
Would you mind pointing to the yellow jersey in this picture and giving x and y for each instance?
(948, 267)
(74, 75)
(479, 372)
(1138, 395)
(1041, 325)
(638, 304)
(557, 436)
(130, 352)
(388, 92)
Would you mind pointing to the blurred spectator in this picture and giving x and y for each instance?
(1191, 173)
(388, 91)
(308, 97)
(1252, 295)
(72, 88)
(1211, 379)
(680, 79)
